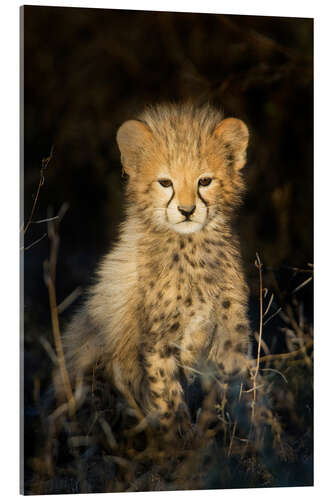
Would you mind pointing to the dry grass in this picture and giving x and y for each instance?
(242, 431)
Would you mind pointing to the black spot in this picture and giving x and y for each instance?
(192, 313)
(227, 345)
(174, 327)
(167, 415)
(182, 244)
(190, 239)
(225, 317)
(240, 348)
(153, 380)
(175, 257)
(150, 349)
(155, 395)
(189, 260)
(167, 303)
(208, 279)
(226, 304)
(160, 295)
(179, 297)
(162, 316)
(188, 302)
(241, 328)
(181, 269)
(190, 347)
(167, 351)
(151, 284)
(161, 372)
(174, 393)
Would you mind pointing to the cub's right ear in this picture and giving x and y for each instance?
(132, 138)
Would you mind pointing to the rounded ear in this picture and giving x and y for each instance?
(233, 136)
(132, 138)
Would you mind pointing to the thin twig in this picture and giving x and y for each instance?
(34, 243)
(299, 333)
(49, 277)
(56, 217)
(258, 264)
(48, 348)
(272, 316)
(69, 299)
(264, 346)
(269, 304)
(45, 163)
(302, 284)
(286, 355)
(276, 371)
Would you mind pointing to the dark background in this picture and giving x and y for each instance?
(88, 70)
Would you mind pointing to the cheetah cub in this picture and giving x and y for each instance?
(171, 293)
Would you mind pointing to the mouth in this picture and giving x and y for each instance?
(187, 226)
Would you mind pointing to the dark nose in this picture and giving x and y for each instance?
(187, 211)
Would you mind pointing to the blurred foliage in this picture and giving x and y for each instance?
(88, 70)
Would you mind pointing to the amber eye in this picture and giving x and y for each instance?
(205, 181)
(165, 183)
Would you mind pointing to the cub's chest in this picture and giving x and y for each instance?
(175, 288)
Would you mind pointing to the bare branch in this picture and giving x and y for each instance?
(45, 163)
(49, 277)
(34, 243)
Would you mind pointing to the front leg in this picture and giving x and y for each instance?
(230, 348)
(196, 342)
(164, 401)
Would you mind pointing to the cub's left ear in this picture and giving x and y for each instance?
(233, 137)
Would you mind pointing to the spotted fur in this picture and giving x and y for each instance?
(171, 292)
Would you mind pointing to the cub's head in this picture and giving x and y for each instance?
(184, 166)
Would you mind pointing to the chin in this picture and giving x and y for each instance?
(187, 227)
